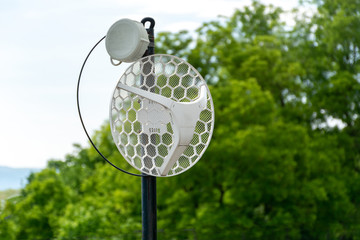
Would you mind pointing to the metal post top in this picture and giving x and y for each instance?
(149, 19)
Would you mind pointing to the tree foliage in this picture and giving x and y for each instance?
(284, 161)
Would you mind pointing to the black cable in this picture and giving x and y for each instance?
(81, 120)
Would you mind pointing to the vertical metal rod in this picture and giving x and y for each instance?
(148, 183)
(148, 205)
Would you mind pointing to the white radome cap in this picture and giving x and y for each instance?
(126, 40)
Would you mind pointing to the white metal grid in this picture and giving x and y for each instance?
(143, 130)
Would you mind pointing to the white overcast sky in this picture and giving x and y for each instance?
(42, 46)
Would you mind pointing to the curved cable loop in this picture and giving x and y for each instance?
(81, 119)
(114, 63)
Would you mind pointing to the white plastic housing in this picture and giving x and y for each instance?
(161, 115)
(184, 116)
(126, 40)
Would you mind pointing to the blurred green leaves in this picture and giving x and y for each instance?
(284, 161)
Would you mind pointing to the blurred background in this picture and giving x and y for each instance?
(284, 160)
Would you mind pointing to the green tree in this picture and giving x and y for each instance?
(36, 214)
(277, 167)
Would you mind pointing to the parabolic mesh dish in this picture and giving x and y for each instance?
(143, 130)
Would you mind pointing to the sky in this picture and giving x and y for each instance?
(43, 44)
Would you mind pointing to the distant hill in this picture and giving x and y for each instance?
(14, 178)
(9, 194)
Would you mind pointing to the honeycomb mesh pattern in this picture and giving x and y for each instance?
(141, 140)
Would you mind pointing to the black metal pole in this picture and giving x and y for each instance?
(148, 183)
(148, 205)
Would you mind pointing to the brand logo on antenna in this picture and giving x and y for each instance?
(154, 130)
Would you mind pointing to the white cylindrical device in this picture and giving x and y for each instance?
(126, 40)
